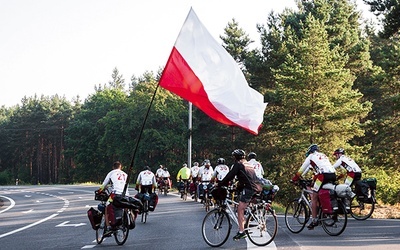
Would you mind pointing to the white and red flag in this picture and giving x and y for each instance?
(202, 72)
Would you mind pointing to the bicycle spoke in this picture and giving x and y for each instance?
(216, 228)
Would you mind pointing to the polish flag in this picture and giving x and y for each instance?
(202, 72)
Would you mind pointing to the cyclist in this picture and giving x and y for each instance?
(146, 181)
(248, 185)
(117, 179)
(194, 172)
(159, 178)
(204, 176)
(354, 172)
(324, 173)
(220, 170)
(183, 178)
(256, 164)
(166, 177)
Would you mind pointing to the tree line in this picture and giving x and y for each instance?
(327, 78)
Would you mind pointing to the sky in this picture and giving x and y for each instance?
(67, 47)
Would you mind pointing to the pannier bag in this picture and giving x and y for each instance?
(181, 186)
(114, 215)
(153, 201)
(192, 187)
(371, 182)
(219, 194)
(327, 200)
(94, 217)
(362, 191)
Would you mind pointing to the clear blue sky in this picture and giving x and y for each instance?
(66, 47)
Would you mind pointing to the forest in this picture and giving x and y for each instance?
(328, 78)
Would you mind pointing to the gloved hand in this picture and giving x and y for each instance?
(296, 177)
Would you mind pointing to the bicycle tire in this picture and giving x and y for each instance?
(216, 227)
(297, 215)
(145, 211)
(361, 210)
(334, 224)
(100, 231)
(207, 203)
(122, 232)
(261, 226)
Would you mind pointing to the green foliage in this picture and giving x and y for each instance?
(388, 179)
(6, 178)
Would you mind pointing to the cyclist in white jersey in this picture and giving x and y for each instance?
(258, 168)
(220, 170)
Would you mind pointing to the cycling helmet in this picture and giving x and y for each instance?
(165, 169)
(184, 165)
(311, 149)
(221, 161)
(207, 162)
(238, 154)
(147, 168)
(252, 155)
(195, 163)
(339, 151)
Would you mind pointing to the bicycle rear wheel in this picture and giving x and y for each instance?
(145, 211)
(296, 216)
(216, 227)
(122, 232)
(100, 231)
(261, 226)
(361, 210)
(334, 224)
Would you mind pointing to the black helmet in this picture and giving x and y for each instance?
(339, 151)
(147, 168)
(221, 161)
(311, 149)
(165, 169)
(252, 155)
(238, 154)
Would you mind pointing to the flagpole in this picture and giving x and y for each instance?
(190, 136)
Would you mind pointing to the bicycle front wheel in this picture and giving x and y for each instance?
(334, 224)
(122, 232)
(361, 210)
(296, 216)
(216, 227)
(261, 226)
(100, 231)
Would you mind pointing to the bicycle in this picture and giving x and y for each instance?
(206, 195)
(261, 224)
(362, 207)
(298, 213)
(120, 232)
(184, 189)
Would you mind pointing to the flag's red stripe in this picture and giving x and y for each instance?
(179, 78)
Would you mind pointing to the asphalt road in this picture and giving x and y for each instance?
(54, 217)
